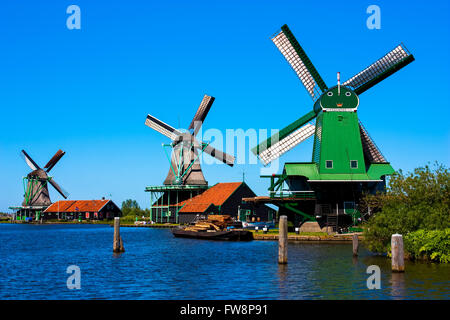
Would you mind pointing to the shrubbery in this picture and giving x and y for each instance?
(433, 245)
(414, 201)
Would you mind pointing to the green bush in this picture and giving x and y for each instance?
(415, 201)
(433, 245)
(130, 219)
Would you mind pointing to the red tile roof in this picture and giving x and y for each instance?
(77, 206)
(216, 195)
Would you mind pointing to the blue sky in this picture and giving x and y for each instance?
(88, 91)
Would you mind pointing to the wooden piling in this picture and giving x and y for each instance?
(117, 242)
(398, 256)
(355, 245)
(282, 240)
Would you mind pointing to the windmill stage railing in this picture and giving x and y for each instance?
(298, 195)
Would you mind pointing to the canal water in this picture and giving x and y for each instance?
(34, 260)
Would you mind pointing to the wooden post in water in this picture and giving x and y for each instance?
(117, 243)
(355, 245)
(398, 257)
(282, 240)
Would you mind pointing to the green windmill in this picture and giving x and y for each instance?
(346, 162)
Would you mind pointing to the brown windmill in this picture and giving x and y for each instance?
(36, 191)
(184, 164)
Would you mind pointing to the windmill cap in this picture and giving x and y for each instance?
(39, 173)
(337, 98)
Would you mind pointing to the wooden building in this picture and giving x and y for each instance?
(224, 198)
(83, 209)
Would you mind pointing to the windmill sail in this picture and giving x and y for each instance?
(219, 155)
(33, 165)
(371, 151)
(299, 61)
(284, 133)
(54, 160)
(201, 113)
(162, 127)
(61, 191)
(380, 70)
(279, 148)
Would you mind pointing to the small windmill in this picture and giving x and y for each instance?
(36, 190)
(346, 161)
(184, 162)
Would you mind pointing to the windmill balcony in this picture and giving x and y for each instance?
(297, 195)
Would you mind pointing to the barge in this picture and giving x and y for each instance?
(215, 227)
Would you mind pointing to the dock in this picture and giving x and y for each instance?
(337, 238)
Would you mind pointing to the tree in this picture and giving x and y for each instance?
(131, 207)
(413, 201)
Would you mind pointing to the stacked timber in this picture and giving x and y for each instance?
(213, 223)
(222, 220)
(213, 228)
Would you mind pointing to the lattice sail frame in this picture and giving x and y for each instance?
(284, 145)
(297, 58)
(376, 69)
(162, 127)
(201, 114)
(370, 149)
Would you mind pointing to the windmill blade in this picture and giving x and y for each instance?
(219, 155)
(201, 113)
(279, 148)
(299, 61)
(380, 70)
(54, 160)
(64, 193)
(162, 127)
(371, 152)
(33, 165)
(277, 138)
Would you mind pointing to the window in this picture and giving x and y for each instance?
(329, 164)
(354, 164)
(349, 207)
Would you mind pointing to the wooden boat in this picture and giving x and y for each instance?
(216, 227)
(228, 235)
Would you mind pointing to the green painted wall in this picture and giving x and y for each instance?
(341, 143)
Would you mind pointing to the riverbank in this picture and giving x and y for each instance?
(272, 235)
(309, 236)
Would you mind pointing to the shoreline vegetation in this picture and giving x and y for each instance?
(416, 205)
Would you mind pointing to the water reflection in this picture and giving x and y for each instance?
(398, 290)
(283, 281)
